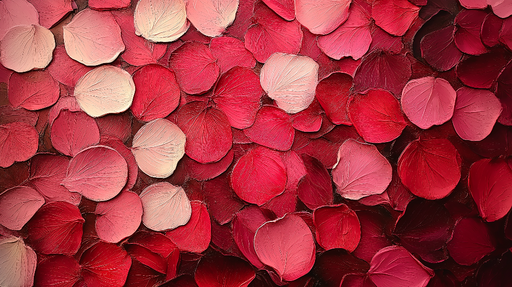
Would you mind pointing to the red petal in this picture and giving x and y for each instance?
(51, 11)
(56, 229)
(231, 52)
(64, 103)
(437, 161)
(506, 33)
(467, 35)
(195, 67)
(377, 116)
(115, 125)
(147, 258)
(373, 234)
(238, 95)
(105, 264)
(504, 95)
(33, 90)
(471, 241)
(9, 114)
(245, 224)
(482, 71)
(108, 4)
(98, 173)
(333, 94)
(439, 50)
(58, 271)
(207, 171)
(64, 69)
(195, 236)
(337, 227)
(333, 265)
(222, 202)
(310, 119)
(156, 93)
(394, 16)
(223, 271)
(18, 205)
(395, 266)
(491, 30)
(315, 189)
(18, 142)
(73, 131)
(207, 130)
(294, 254)
(259, 175)
(271, 34)
(488, 183)
(279, 137)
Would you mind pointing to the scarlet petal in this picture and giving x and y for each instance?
(195, 236)
(279, 137)
(394, 17)
(337, 227)
(105, 264)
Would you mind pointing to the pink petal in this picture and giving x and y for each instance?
(98, 173)
(222, 201)
(395, 266)
(501, 8)
(158, 146)
(270, 34)
(160, 21)
(287, 246)
(290, 80)
(105, 264)
(238, 94)
(482, 71)
(165, 206)
(211, 17)
(322, 17)
(223, 271)
(488, 183)
(476, 112)
(139, 51)
(18, 142)
(439, 163)
(93, 38)
(115, 125)
(283, 8)
(351, 39)
(439, 50)
(315, 189)
(108, 4)
(382, 70)
(195, 68)
(360, 171)
(208, 132)
(16, 12)
(473, 4)
(64, 69)
(118, 218)
(333, 94)
(46, 174)
(33, 90)
(377, 116)
(394, 16)
(127, 154)
(195, 236)
(8, 115)
(58, 270)
(18, 263)
(337, 227)
(18, 205)
(231, 52)
(467, 35)
(280, 137)
(27, 47)
(56, 229)
(259, 175)
(71, 132)
(471, 241)
(51, 11)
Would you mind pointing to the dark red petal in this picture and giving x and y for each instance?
(223, 271)
(467, 35)
(337, 227)
(471, 241)
(18, 142)
(105, 264)
(221, 200)
(482, 71)
(333, 94)
(57, 271)
(439, 50)
(315, 189)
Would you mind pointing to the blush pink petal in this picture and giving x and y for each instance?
(27, 47)
(64, 103)
(361, 170)
(18, 205)
(93, 38)
(160, 20)
(18, 263)
(322, 17)
(118, 218)
(17, 12)
(287, 246)
(283, 8)
(18, 142)
(165, 206)
(502, 8)
(428, 101)
(230, 52)
(337, 227)
(33, 90)
(73, 131)
(108, 4)
(394, 16)
(64, 69)
(98, 173)
(196, 235)
(211, 17)
(51, 11)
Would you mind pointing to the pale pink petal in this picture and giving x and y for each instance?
(27, 47)
(361, 170)
(290, 80)
(211, 17)
(160, 20)
(18, 205)
(93, 38)
(52, 11)
(118, 218)
(165, 206)
(428, 101)
(105, 90)
(98, 173)
(321, 16)
(14, 13)
(502, 8)
(476, 112)
(18, 263)
(158, 147)
(473, 4)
